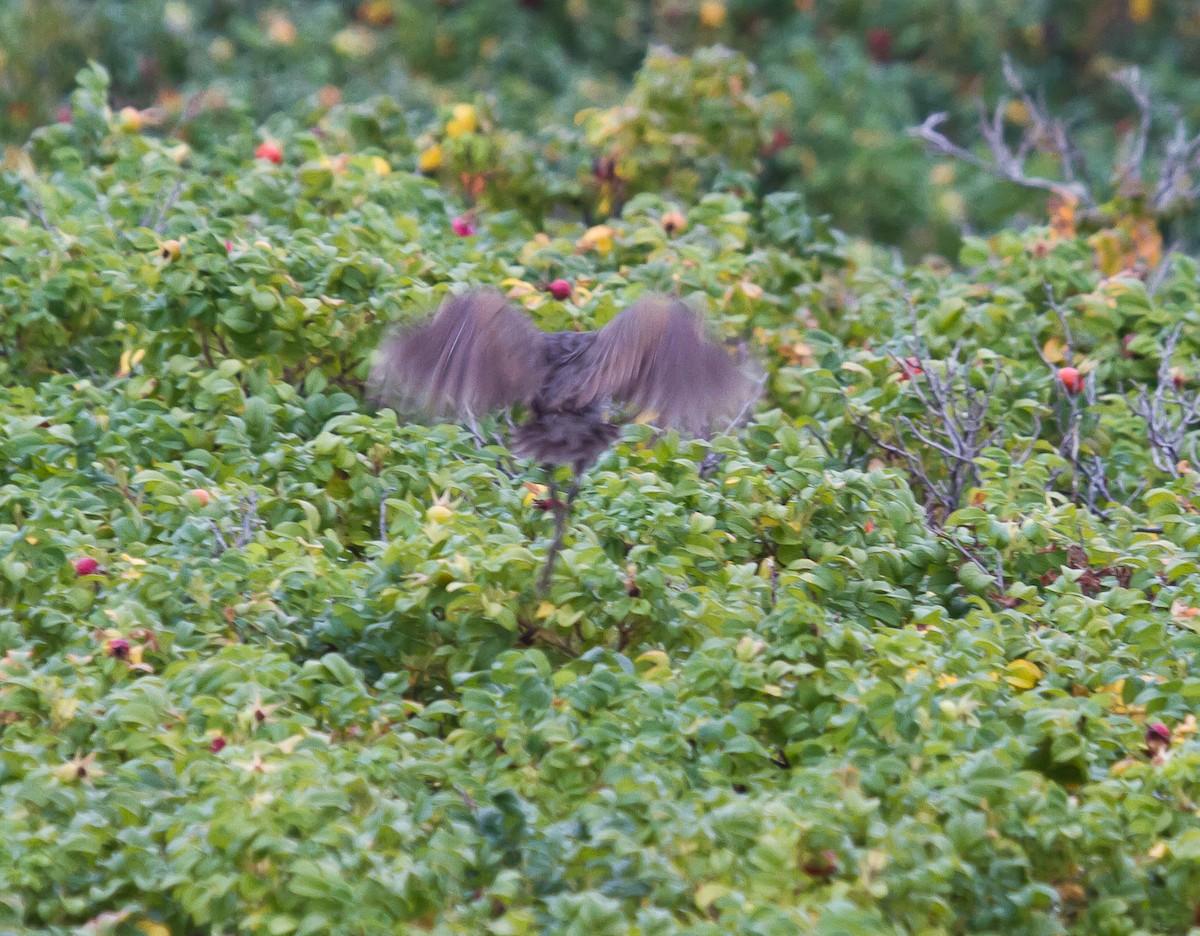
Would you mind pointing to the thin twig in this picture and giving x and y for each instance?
(748, 405)
(222, 544)
(34, 204)
(160, 224)
(249, 509)
(561, 513)
(383, 524)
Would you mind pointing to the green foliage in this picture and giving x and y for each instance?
(310, 685)
(847, 79)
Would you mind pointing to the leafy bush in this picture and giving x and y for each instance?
(856, 76)
(306, 681)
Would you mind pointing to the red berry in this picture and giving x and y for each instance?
(823, 866)
(780, 139)
(217, 745)
(463, 226)
(64, 113)
(1071, 379)
(86, 565)
(1158, 732)
(118, 648)
(560, 289)
(270, 151)
(879, 42)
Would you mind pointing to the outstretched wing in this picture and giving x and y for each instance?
(655, 356)
(478, 353)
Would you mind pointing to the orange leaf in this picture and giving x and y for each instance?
(1062, 215)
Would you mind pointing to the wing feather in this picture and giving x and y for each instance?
(655, 356)
(476, 354)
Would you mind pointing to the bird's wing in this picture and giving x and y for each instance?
(655, 356)
(478, 353)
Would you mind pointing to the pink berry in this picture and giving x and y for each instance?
(217, 745)
(270, 151)
(1158, 732)
(118, 648)
(86, 566)
(463, 226)
(560, 289)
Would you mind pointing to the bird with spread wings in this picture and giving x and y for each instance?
(478, 354)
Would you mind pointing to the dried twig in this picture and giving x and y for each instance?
(222, 543)
(1089, 475)
(1043, 134)
(1128, 169)
(1176, 188)
(956, 424)
(1170, 414)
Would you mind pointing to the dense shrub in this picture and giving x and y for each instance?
(307, 683)
(855, 75)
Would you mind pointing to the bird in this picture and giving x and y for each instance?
(478, 354)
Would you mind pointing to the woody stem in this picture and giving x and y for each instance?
(561, 512)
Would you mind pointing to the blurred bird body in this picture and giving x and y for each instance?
(478, 353)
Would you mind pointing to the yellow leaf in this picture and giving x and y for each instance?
(463, 121)
(598, 238)
(534, 492)
(712, 13)
(545, 609)
(287, 745)
(430, 159)
(1022, 674)
(1140, 10)
(660, 665)
(518, 289)
(1110, 258)
(710, 893)
(1055, 350)
(945, 680)
(1017, 113)
(772, 690)
(150, 928)
(380, 165)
